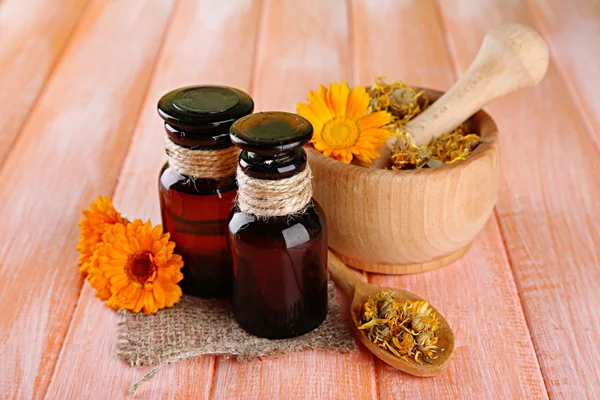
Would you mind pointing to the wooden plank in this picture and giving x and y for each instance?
(32, 37)
(548, 207)
(71, 149)
(184, 60)
(476, 294)
(302, 44)
(572, 31)
(306, 375)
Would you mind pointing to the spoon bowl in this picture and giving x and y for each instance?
(360, 292)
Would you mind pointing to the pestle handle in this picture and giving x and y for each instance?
(512, 56)
(341, 274)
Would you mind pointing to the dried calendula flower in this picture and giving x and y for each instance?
(398, 99)
(406, 329)
(402, 102)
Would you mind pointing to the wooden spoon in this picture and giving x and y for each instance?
(512, 57)
(360, 291)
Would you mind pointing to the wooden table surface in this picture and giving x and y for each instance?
(79, 82)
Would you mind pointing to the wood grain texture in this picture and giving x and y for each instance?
(302, 44)
(306, 375)
(184, 60)
(549, 211)
(476, 294)
(572, 30)
(72, 89)
(493, 355)
(33, 35)
(70, 150)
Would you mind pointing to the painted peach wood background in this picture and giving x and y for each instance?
(79, 82)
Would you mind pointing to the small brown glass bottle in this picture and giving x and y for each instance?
(197, 184)
(277, 232)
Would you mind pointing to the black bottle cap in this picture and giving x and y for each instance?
(271, 133)
(202, 115)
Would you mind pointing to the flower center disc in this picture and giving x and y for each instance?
(140, 267)
(340, 133)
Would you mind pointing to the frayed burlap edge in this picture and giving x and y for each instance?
(196, 327)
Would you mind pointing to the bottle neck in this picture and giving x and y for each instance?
(274, 198)
(206, 137)
(273, 167)
(202, 163)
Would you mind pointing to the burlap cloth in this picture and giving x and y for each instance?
(195, 327)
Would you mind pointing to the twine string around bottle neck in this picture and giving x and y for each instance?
(273, 198)
(197, 163)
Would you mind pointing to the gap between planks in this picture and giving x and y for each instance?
(184, 63)
(452, 59)
(5, 152)
(549, 264)
(585, 117)
(118, 181)
(48, 335)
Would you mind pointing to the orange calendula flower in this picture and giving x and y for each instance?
(101, 215)
(343, 128)
(135, 269)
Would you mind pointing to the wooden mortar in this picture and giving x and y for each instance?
(401, 222)
(397, 222)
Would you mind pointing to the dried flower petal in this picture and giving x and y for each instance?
(402, 101)
(406, 329)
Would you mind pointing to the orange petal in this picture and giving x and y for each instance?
(376, 136)
(322, 93)
(319, 107)
(319, 145)
(159, 294)
(149, 305)
(374, 120)
(167, 285)
(139, 296)
(337, 97)
(344, 155)
(305, 111)
(103, 294)
(333, 94)
(173, 296)
(358, 102)
(118, 284)
(157, 232)
(368, 156)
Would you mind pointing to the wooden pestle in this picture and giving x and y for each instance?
(512, 56)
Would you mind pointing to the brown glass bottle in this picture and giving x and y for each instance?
(280, 262)
(195, 206)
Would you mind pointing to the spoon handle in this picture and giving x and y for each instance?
(512, 56)
(341, 274)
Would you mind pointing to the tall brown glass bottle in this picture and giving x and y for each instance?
(280, 260)
(197, 185)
